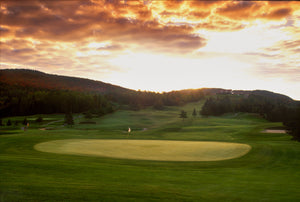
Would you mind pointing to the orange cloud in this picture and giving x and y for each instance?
(170, 27)
(110, 20)
(253, 10)
(278, 13)
(4, 32)
(240, 10)
(173, 4)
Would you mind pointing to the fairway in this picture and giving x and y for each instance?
(224, 158)
(158, 150)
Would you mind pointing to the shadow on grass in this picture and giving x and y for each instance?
(6, 132)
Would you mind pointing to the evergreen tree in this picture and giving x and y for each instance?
(69, 119)
(194, 113)
(293, 124)
(25, 122)
(39, 119)
(88, 115)
(208, 107)
(8, 123)
(183, 115)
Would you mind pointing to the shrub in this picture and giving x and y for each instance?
(8, 123)
(39, 119)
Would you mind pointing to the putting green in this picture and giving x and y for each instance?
(159, 150)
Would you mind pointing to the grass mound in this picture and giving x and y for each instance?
(158, 150)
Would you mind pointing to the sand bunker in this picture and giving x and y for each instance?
(158, 150)
(274, 131)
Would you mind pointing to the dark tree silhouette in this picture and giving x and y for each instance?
(183, 115)
(194, 113)
(69, 119)
(88, 115)
(8, 123)
(293, 124)
(158, 104)
(25, 122)
(39, 119)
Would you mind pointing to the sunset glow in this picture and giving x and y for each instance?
(158, 45)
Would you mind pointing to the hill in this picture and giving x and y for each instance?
(28, 92)
(24, 91)
(266, 94)
(40, 80)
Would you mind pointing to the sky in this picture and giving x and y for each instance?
(157, 45)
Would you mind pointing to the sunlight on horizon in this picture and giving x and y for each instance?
(161, 73)
(158, 45)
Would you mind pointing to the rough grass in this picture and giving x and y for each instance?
(157, 150)
(269, 172)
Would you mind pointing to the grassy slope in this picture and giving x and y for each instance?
(270, 172)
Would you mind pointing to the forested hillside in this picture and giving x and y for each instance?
(40, 80)
(271, 106)
(28, 92)
(18, 100)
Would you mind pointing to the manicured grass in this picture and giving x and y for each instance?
(159, 150)
(269, 172)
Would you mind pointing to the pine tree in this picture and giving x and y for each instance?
(69, 119)
(39, 119)
(8, 123)
(25, 122)
(88, 115)
(194, 113)
(183, 115)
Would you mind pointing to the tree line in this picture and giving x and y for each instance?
(16, 100)
(19, 101)
(137, 100)
(270, 108)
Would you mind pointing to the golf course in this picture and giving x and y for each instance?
(162, 158)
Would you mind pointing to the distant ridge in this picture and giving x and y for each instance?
(265, 93)
(40, 80)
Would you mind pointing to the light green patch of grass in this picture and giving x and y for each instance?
(157, 150)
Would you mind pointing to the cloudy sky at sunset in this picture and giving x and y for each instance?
(157, 45)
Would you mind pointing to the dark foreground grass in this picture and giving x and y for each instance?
(269, 172)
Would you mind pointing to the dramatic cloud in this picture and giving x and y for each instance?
(241, 10)
(253, 10)
(112, 39)
(100, 21)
